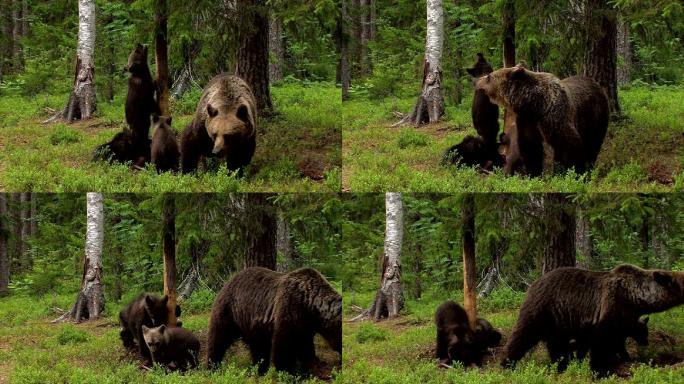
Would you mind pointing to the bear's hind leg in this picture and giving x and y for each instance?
(222, 334)
(525, 336)
(284, 338)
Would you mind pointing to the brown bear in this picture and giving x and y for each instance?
(120, 149)
(481, 150)
(225, 125)
(140, 102)
(165, 153)
(456, 340)
(173, 348)
(637, 331)
(597, 307)
(277, 315)
(147, 310)
(569, 115)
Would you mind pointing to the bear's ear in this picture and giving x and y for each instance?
(139, 47)
(471, 71)
(155, 118)
(149, 301)
(517, 73)
(145, 329)
(243, 113)
(162, 328)
(211, 111)
(164, 300)
(663, 278)
(645, 320)
(168, 120)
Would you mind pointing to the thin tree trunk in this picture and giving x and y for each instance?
(284, 243)
(364, 59)
(275, 47)
(16, 34)
(34, 214)
(161, 15)
(624, 51)
(252, 56)
(17, 246)
(389, 299)
(82, 101)
(24, 18)
(4, 254)
(169, 249)
(559, 250)
(429, 107)
(583, 238)
(24, 211)
(90, 300)
(601, 57)
(469, 271)
(508, 21)
(343, 36)
(8, 50)
(261, 250)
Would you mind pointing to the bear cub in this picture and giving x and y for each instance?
(148, 310)
(140, 102)
(165, 153)
(457, 341)
(173, 348)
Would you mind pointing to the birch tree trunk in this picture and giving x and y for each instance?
(430, 104)
(469, 271)
(82, 101)
(4, 254)
(90, 300)
(389, 300)
(169, 247)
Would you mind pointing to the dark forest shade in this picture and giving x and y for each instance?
(261, 251)
(252, 55)
(559, 211)
(601, 58)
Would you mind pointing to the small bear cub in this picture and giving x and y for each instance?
(173, 348)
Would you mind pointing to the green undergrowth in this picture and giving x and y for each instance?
(298, 147)
(401, 350)
(643, 150)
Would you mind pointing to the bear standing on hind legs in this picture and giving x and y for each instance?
(599, 308)
(140, 102)
(277, 315)
(569, 115)
(225, 125)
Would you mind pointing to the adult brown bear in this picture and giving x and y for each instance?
(277, 315)
(225, 125)
(600, 308)
(570, 115)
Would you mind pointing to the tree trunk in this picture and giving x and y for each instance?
(508, 21)
(252, 56)
(430, 104)
(82, 101)
(261, 250)
(90, 300)
(24, 18)
(585, 247)
(624, 51)
(389, 300)
(161, 16)
(4, 254)
(275, 47)
(284, 244)
(601, 58)
(559, 251)
(16, 34)
(24, 211)
(169, 246)
(34, 214)
(364, 59)
(343, 36)
(469, 271)
(8, 48)
(17, 246)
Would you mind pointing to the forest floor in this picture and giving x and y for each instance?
(32, 350)
(298, 149)
(402, 350)
(642, 152)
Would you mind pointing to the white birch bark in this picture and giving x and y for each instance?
(391, 280)
(85, 86)
(92, 287)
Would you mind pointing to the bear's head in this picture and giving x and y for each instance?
(163, 122)
(480, 68)
(486, 335)
(228, 126)
(650, 290)
(156, 309)
(331, 324)
(137, 60)
(509, 86)
(460, 339)
(155, 338)
(470, 151)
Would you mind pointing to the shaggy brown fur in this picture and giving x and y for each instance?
(277, 315)
(456, 340)
(600, 307)
(173, 348)
(140, 102)
(148, 310)
(570, 115)
(225, 125)
(165, 153)
(120, 149)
